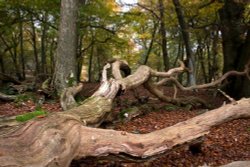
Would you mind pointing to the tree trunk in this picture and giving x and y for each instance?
(215, 51)
(200, 55)
(34, 44)
(163, 36)
(2, 64)
(21, 56)
(66, 65)
(13, 55)
(148, 49)
(51, 55)
(60, 138)
(43, 44)
(15, 58)
(236, 45)
(186, 38)
(57, 139)
(90, 63)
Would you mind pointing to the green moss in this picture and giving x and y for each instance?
(30, 115)
(170, 107)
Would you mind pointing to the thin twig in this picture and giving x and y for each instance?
(232, 100)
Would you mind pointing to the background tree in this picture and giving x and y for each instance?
(234, 16)
(66, 65)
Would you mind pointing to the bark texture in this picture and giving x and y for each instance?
(59, 138)
(65, 69)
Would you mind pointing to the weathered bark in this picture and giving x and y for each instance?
(66, 64)
(237, 164)
(61, 137)
(67, 99)
(7, 97)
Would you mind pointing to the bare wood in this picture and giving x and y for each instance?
(227, 96)
(171, 72)
(61, 137)
(237, 164)
(177, 101)
(212, 84)
(56, 140)
(67, 99)
(7, 97)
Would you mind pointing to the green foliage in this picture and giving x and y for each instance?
(170, 107)
(31, 115)
(126, 111)
(71, 81)
(80, 99)
(22, 98)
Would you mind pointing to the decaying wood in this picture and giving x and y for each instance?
(67, 99)
(7, 97)
(8, 78)
(237, 164)
(56, 140)
(61, 137)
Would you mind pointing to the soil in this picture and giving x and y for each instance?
(225, 143)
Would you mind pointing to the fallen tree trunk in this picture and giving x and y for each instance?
(60, 138)
(5, 97)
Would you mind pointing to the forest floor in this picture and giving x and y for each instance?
(225, 143)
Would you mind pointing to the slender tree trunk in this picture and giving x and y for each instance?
(15, 60)
(179, 52)
(21, 55)
(215, 51)
(34, 44)
(163, 36)
(90, 64)
(200, 55)
(79, 58)
(98, 64)
(146, 54)
(209, 65)
(186, 38)
(66, 64)
(51, 55)
(43, 44)
(2, 64)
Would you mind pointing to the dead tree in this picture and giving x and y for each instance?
(61, 137)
